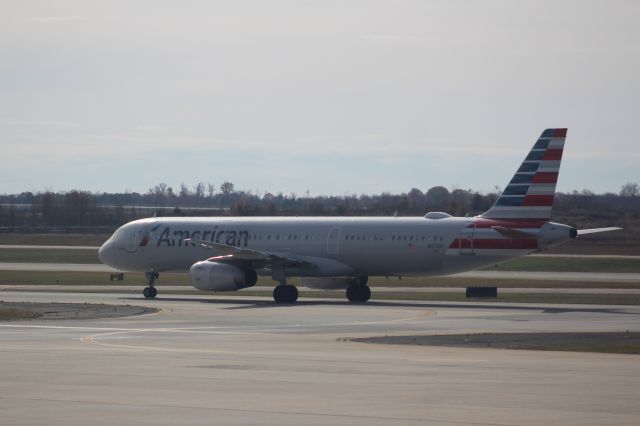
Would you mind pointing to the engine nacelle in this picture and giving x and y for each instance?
(215, 276)
(332, 283)
(552, 233)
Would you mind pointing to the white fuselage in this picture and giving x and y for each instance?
(377, 246)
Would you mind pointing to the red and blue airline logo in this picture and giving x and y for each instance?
(147, 236)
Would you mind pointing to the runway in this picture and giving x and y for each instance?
(217, 360)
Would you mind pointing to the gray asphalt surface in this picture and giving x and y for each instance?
(128, 288)
(218, 360)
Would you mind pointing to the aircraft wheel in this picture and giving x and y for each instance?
(292, 293)
(365, 293)
(358, 293)
(285, 294)
(149, 292)
(352, 293)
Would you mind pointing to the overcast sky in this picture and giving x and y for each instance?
(332, 97)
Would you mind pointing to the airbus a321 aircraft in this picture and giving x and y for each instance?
(227, 254)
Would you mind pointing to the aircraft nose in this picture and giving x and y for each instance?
(105, 253)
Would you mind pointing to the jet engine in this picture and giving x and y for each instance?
(215, 276)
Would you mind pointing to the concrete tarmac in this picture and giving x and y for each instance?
(108, 287)
(247, 361)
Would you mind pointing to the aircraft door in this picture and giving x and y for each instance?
(333, 241)
(466, 240)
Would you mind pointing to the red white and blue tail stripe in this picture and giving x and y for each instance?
(530, 193)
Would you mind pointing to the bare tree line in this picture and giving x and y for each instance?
(85, 209)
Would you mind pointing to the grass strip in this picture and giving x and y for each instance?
(54, 239)
(49, 256)
(604, 342)
(569, 264)
(13, 314)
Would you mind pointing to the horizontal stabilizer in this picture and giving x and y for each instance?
(596, 230)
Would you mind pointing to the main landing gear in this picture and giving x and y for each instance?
(150, 292)
(283, 293)
(359, 291)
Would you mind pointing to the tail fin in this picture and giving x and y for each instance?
(530, 193)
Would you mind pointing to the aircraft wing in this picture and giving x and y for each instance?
(227, 253)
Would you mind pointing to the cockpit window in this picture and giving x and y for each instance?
(118, 232)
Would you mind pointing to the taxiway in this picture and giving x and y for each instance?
(216, 360)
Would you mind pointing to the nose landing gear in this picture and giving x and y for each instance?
(150, 292)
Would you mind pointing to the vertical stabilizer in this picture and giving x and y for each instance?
(529, 194)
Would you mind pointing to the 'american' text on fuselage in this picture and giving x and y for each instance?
(178, 237)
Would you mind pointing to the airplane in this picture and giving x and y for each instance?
(228, 253)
